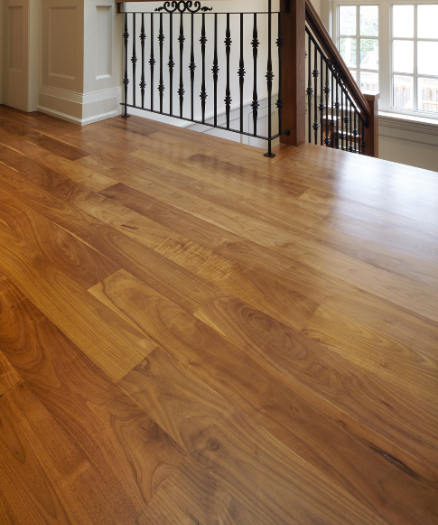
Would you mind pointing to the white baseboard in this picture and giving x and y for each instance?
(74, 120)
(79, 108)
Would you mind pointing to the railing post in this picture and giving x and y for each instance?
(372, 131)
(293, 75)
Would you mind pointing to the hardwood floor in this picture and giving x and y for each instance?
(193, 334)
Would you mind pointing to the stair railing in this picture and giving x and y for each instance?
(339, 115)
(168, 69)
(159, 46)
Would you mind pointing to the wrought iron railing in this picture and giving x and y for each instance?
(333, 118)
(161, 50)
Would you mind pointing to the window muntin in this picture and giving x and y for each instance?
(406, 79)
(414, 76)
(358, 43)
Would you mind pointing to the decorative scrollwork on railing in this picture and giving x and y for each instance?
(181, 7)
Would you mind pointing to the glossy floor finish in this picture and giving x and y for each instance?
(193, 334)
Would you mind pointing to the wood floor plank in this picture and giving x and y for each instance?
(73, 257)
(313, 284)
(387, 285)
(9, 376)
(304, 250)
(109, 341)
(90, 136)
(37, 121)
(115, 435)
(263, 292)
(273, 196)
(68, 168)
(402, 325)
(192, 333)
(172, 280)
(219, 363)
(197, 495)
(53, 144)
(375, 352)
(46, 473)
(221, 438)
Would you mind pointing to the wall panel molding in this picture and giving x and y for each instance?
(16, 66)
(104, 43)
(62, 41)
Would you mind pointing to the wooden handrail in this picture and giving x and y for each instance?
(325, 41)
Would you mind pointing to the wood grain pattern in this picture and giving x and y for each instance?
(194, 334)
(46, 477)
(75, 258)
(85, 320)
(223, 440)
(9, 377)
(115, 436)
(272, 347)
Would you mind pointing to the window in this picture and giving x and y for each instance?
(415, 57)
(358, 42)
(392, 47)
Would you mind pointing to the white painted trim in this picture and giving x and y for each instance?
(408, 123)
(81, 98)
(74, 120)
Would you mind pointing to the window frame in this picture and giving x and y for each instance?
(358, 69)
(385, 51)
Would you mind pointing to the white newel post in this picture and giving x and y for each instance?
(81, 60)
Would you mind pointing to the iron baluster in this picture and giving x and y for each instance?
(228, 43)
(351, 127)
(309, 89)
(181, 91)
(342, 119)
(134, 61)
(280, 73)
(355, 131)
(203, 41)
(142, 39)
(337, 114)
(332, 121)
(269, 77)
(215, 69)
(362, 142)
(152, 61)
(255, 102)
(241, 72)
(347, 123)
(126, 79)
(321, 105)
(326, 92)
(192, 67)
(315, 74)
(161, 43)
(171, 64)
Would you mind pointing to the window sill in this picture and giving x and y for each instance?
(428, 126)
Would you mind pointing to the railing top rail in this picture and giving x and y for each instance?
(327, 44)
(155, 11)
